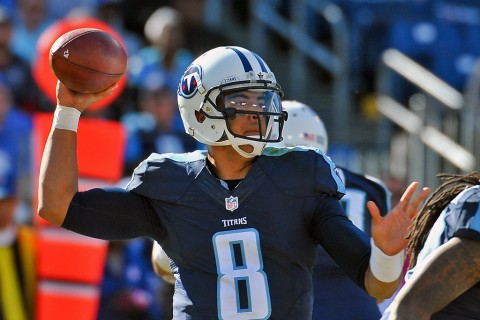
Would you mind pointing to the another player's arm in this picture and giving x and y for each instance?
(58, 179)
(449, 271)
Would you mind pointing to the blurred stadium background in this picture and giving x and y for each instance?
(395, 81)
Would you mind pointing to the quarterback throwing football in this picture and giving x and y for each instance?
(240, 222)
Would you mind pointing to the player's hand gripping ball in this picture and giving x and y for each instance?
(88, 60)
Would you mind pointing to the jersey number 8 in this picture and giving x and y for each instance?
(242, 286)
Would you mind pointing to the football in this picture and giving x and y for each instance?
(88, 60)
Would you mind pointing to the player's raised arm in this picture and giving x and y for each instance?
(58, 180)
(389, 240)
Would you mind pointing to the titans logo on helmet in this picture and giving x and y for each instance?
(188, 83)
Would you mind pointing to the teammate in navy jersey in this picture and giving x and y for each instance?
(444, 280)
(240, 222)
(336, 296)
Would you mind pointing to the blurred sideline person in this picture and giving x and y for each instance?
(443, 280)
(17, 254)
(165, 57)
(241, 221)
(16, 71)
(152, 128)
(336, 297)
(16, 250)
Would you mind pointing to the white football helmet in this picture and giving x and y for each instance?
(209, 99)
(304, 127)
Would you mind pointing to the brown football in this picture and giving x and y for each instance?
(88, 60)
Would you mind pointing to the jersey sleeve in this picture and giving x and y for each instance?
(337, 235)
(112, 214)
(308, 172)
(166, 177)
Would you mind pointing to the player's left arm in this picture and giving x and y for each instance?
(448, 272)
(388, 241)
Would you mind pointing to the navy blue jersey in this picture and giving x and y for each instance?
(336, 296)
(359, 190)
(461, 218)
(247, 253)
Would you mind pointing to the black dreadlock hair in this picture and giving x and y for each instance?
(451, 186)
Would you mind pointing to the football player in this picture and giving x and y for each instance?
(332, 288)
(443, 282)
(240, 222)
(335, 295)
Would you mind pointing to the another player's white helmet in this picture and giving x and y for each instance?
(205, 98)
(304, 127)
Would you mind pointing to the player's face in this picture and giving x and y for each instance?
(249, 106)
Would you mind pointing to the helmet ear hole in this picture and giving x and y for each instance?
(200, 117)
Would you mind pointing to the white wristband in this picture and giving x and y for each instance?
(384, 267)
(66, 118)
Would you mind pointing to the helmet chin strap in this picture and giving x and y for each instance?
(257, 149)
(237, 142)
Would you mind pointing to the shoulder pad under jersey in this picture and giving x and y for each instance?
(302, 171)
(462, 217)
(166, 176)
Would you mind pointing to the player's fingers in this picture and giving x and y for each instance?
(407, 195)
(418, 200)
(95, 97)
(374, 211)
(111, 89)
(105, 93)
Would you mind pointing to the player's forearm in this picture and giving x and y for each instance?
(410, 305)
(407, 312)
(384, 271)
(419, 299)
(58, 180)
(459, 259)
(378, 289)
